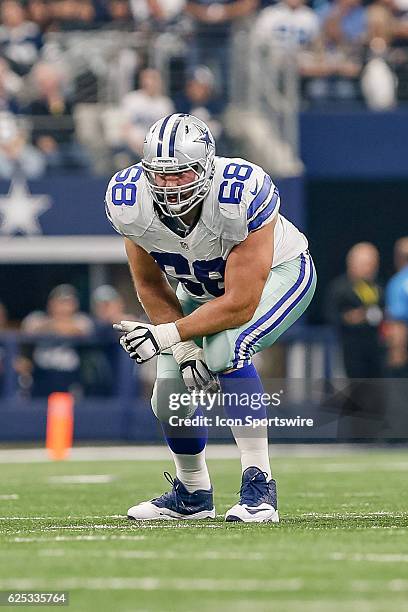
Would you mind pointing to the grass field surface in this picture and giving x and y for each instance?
(342, 543)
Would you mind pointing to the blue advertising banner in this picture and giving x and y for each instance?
(74, 206)
(354, 144)
(65, 205)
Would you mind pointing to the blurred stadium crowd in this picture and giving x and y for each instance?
(62, 348)
(81, 80)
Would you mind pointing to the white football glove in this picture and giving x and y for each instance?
(142, 341)
(194, 370)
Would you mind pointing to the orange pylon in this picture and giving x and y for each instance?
(60, 425)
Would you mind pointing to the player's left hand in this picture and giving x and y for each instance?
(142, 341)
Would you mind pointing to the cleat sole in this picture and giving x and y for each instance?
(233, 519)
(174, 516)
(256, 518)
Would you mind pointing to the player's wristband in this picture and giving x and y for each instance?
(184, 351)
(167, 335)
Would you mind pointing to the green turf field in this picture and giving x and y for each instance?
(342, 543)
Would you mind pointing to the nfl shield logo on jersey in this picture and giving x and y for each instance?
(184, 246)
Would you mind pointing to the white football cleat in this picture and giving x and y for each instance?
(175, 505)
(258, 499)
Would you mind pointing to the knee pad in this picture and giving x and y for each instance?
(170, 397)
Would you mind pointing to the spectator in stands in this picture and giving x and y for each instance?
(396, 301)
(288, 23)
(73, 15)
(332, 72)
(3, 317)
(397, 312)
(20, 40)
(142, 108)
(107, 307)
(16, 154)
(10, 87)
(399, 9)
(157, 14)
(348, 18)
(39, 12)
(52, 118)
(210, 45)
(199, 99)
(380, 21)
(378, 81)
(322, 62)
(119, 15)
(62, 317)
(54, 362)
(354, 305)
(100, 362)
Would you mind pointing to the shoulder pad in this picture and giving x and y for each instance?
(262, 200)
(128, 204)
(246, 196)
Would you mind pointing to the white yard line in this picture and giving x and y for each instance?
(312, 494)
(160, 452)
(395, 466)
(374, 557)
(353, 515)
(151, 583)
(396, 585)
(207, 555)
(79, 538)
(362, 494)
(361, 466)
(145, 526)
(60, 518)
(321, 605)
(10, 497)
(54, 552)
(82, 479)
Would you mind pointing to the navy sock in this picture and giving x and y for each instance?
(244, 382)
(186, 440)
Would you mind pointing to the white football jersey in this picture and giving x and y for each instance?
(242, 199)
(286, 26)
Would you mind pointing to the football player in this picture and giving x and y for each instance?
(244, 275)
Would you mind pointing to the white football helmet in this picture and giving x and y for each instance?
(174, 144)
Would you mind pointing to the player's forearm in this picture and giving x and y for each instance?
(154, 292)
(159, 303)
(215, 316)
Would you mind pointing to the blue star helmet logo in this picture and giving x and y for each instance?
(204, 137)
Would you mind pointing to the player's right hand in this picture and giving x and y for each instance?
(195, 372)
(197, 376)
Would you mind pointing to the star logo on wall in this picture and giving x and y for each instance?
(19, 209)
(204, 137)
